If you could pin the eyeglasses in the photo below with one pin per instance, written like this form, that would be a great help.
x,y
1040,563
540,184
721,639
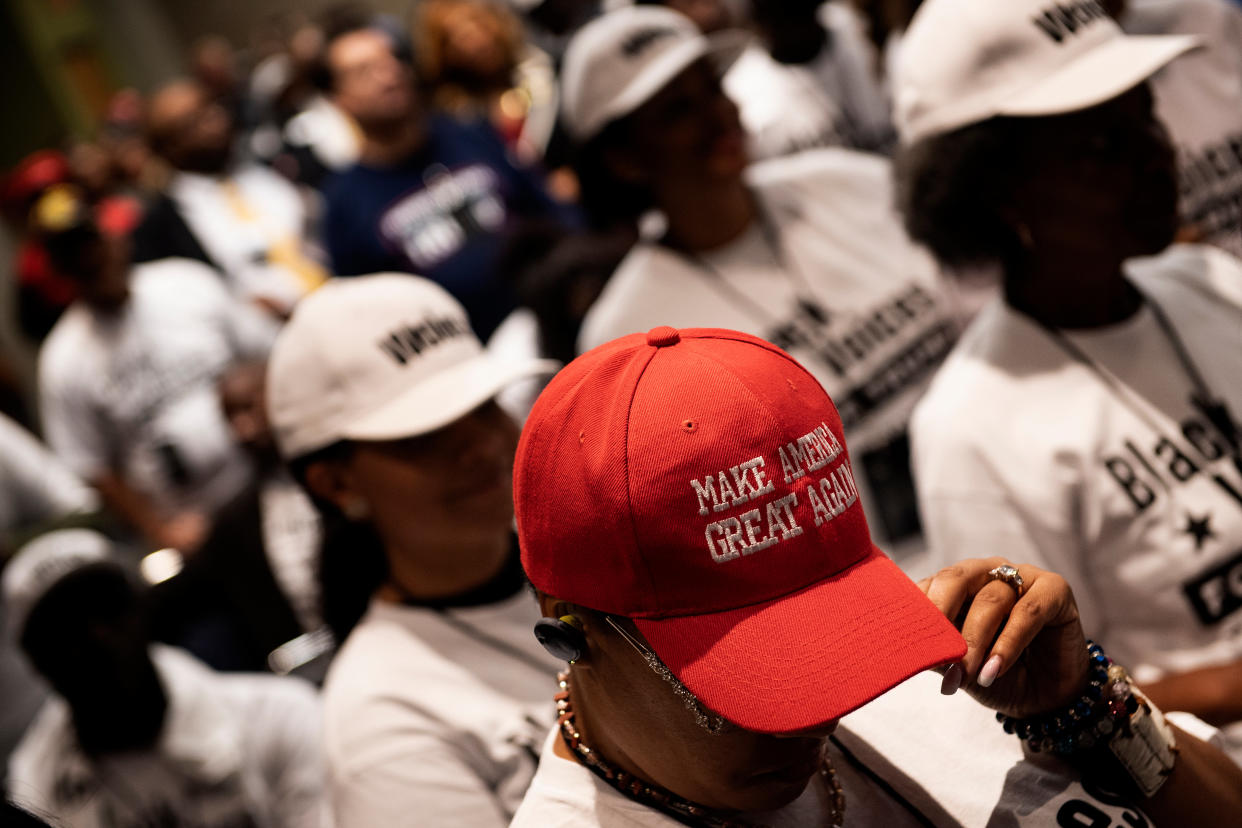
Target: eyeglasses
x,y
713,723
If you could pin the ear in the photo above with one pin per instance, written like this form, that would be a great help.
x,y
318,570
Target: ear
x,y
554,607
332,481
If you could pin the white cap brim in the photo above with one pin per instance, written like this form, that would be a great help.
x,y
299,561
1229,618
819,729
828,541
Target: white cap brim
x,y
439,400
1099,75
1093,77
723,48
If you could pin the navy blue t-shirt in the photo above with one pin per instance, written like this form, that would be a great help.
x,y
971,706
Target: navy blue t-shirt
x,y
445,213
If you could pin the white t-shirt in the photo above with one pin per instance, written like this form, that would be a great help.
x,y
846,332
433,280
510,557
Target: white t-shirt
x,y
945,757
235,750
252,223
435,718
35,486
135,392
1199,98
879,325
837,99
1022,450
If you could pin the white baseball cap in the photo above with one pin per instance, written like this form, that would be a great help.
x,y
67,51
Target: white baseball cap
x,y
620,60
43,563
964,61
379,357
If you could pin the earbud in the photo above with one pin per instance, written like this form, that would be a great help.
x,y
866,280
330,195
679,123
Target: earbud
x,y
562,637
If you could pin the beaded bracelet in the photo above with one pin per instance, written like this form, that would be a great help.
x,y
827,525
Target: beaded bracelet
x,y
1104,708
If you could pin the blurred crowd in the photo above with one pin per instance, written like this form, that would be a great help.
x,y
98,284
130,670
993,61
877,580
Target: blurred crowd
x,y
292,309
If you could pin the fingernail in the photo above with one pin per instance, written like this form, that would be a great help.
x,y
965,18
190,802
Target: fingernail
x,y
952,679
989,672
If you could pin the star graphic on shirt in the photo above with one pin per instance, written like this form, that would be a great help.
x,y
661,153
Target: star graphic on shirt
x,y
1200,529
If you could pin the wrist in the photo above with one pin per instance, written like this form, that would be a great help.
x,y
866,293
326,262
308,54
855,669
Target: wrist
x,y
1112,732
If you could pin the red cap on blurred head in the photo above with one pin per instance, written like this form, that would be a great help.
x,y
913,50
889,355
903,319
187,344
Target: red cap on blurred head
x,y
34,173
697,481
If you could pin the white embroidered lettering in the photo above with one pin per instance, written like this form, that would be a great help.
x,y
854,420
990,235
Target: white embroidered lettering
x,y
781,517
706,491
789,467
721,548
727,492
753,543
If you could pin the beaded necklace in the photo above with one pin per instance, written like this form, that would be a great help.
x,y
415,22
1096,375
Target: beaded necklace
x,y
679,808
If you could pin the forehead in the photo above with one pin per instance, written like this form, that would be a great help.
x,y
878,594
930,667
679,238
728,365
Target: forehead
x,y
173,104
358,47
697,81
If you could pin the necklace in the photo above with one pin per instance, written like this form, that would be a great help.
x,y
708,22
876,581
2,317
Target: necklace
x,y
679,808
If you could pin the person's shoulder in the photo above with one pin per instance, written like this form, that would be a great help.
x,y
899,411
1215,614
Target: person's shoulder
x,y
279,695
382,654
177,281
824,166
71,350
1201,268
564,794
157,274
349,184
630,296
45,749
477,134
65,340
976,372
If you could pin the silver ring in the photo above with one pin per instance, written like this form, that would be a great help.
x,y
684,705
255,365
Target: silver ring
x,y
1009,574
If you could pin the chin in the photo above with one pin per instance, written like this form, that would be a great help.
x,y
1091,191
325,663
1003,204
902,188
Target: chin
x,y
768,793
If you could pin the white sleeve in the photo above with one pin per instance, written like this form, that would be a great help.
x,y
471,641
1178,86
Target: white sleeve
x,y
248,329
42,488
970,511
412,776
73,429
288,719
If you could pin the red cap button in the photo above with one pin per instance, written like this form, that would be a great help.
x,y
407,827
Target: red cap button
x,y
663,336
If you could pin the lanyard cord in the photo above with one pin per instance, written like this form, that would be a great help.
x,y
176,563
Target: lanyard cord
x,y
473,632
785,265
1211,406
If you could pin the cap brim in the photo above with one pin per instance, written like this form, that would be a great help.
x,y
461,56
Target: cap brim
x,y
722,48
810,657
1099,75
436,401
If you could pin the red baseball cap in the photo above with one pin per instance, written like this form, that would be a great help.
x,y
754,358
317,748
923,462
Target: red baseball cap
x,y
697,482
33,174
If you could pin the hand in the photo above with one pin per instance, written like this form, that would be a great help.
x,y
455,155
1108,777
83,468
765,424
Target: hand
x,y
1024,655
184,532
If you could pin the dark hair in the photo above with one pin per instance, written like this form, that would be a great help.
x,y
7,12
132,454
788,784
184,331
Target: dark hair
x,y
352,561
952,188
70,250
337,21
558,273
97,591
606,199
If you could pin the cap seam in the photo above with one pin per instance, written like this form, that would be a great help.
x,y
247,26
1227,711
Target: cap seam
x,y
629,495
762,406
